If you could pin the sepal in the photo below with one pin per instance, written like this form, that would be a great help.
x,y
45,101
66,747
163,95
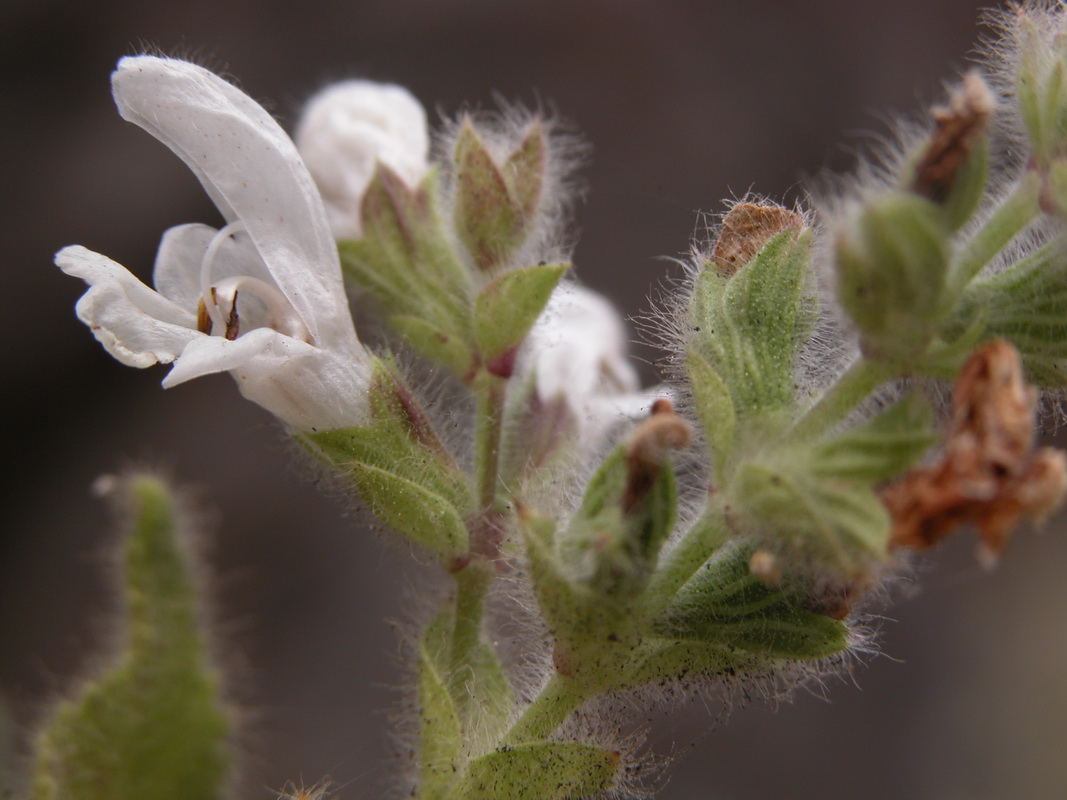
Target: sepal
x,y
401,469
406,262
891,265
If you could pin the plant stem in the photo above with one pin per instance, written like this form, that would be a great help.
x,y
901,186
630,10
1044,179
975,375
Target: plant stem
x,y
1014,214
852,388
472,582
490,391
557,700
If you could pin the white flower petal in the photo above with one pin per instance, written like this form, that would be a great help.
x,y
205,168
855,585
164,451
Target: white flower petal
x,y
578,348
346,129
176,274
251,169
210,354
135,324
285,376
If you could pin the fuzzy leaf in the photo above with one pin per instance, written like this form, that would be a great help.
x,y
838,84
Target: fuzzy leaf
x,y
508,306
715,409
1027,305
440,738
840,525
724,604
433,343
879,449
426,517
672,660
539,771
149,727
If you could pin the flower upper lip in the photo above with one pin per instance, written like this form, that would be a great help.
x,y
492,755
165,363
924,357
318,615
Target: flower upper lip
x,y
276,251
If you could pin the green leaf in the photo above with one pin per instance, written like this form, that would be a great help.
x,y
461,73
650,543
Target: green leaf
x,y
879,449
424,516
400,468
405,259
150,727
507,307
539,771
670,660
440,737
1027,305
433,343
714,408
750,326
725,605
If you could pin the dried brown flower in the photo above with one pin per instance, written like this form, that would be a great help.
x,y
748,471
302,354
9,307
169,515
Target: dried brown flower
x,y
988,473
959,126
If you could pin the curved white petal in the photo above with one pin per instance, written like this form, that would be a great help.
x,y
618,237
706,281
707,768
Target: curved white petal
x,y
135,324
251,169
578,349
176,274
303,385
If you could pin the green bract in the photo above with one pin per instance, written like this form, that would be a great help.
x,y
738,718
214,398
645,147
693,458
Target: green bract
x,y
495,206
747,329
401,470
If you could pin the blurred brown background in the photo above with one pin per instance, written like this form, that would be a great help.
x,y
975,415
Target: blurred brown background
x,y
685,102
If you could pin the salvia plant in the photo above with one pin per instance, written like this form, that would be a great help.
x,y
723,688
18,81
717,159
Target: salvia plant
x,y
848,380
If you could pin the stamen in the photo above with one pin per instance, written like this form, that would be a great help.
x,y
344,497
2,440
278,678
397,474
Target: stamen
x,y
281,316
206,293
217,309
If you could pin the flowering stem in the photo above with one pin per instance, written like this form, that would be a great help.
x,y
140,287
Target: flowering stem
x,y
851,389
1014,214
557,700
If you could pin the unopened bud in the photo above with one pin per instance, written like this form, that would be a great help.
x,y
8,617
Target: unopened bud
x,y
892,262
350,127
745,229
497,200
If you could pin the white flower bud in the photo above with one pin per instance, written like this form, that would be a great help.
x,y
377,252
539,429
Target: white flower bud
x,y
346,130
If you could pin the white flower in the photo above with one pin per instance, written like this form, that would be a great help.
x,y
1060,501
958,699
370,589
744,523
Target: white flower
x,y
346,130
263,297
577,352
